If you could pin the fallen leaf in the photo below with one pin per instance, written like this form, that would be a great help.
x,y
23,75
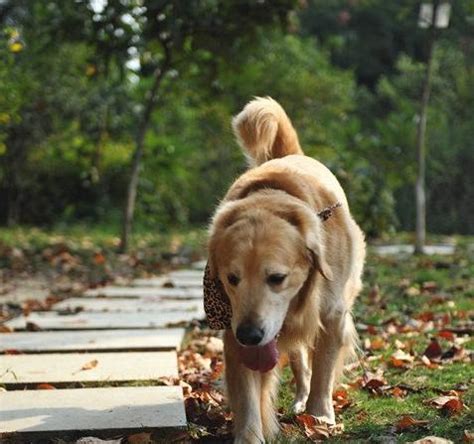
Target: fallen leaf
x,y
314,428
377,343
412,291
448,335
429,286
397,392
45,386
94,440
401,359
432,440
90,365
374,294
452,407
12,351
407,421
428,363
373,381
341,400
99,259
140,438
454,353
31,326
439,401
433,350
468,436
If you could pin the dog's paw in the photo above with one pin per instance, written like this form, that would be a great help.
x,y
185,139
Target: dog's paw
x,y
298,407
329,420
248,439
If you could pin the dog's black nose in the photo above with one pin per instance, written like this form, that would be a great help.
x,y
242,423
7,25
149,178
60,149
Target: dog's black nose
x,y
249,334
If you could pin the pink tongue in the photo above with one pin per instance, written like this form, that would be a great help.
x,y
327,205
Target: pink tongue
x,y
262,358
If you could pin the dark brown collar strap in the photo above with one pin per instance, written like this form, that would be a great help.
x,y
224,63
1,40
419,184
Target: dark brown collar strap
x,y
328,211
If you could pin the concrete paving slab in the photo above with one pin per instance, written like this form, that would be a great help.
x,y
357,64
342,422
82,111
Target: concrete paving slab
x,y
37,414
189,273
386,250
93,340
200,265
91,321
173,282
186,282
137,292
60,368
128,305
150,282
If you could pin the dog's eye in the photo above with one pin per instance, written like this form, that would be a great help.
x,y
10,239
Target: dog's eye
x,y
276,278
233,279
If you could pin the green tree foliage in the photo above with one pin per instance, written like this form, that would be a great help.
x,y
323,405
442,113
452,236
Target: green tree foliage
x,y
76,79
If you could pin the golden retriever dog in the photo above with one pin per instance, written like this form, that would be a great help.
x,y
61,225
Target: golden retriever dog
x,y
289,256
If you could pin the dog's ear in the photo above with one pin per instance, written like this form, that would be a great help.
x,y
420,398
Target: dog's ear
x,y
216,302
315,250
311,228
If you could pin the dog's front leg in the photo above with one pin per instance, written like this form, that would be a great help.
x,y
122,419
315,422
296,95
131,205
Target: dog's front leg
x,y
302,371
243,391
332,344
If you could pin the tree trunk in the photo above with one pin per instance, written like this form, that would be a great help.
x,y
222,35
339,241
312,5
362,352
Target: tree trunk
x,y
14,160
420,196
137,156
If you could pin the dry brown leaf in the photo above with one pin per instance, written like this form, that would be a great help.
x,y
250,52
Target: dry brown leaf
x,y
31,326
373,381
455,353
12,351
45,386
429,286
341,400
99,259
401,359
468,436
439,401
314,428
448,335
433,350
428,363
374,294
90,365
377,343
407,421
140,438
397,392
452,407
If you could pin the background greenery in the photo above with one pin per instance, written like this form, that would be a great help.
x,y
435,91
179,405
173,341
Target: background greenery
x,y
348,72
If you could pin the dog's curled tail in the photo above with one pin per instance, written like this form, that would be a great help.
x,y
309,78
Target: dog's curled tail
x,y
264,131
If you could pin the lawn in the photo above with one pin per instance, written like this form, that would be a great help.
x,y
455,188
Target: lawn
x,y
409,304
414,374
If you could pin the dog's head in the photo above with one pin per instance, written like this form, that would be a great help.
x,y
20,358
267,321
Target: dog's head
x,y
264,251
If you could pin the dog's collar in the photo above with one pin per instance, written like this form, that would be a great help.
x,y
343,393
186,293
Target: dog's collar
x,y
328,211
216,302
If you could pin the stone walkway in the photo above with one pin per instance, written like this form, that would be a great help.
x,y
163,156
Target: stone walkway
x,y
85,345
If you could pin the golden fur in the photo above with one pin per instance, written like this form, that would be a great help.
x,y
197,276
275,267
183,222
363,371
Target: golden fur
x,y
267,223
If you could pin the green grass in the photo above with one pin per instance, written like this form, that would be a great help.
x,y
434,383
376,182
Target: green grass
x,y
371,417
31,249
80,236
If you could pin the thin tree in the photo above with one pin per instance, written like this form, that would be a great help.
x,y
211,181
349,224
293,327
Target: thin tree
x,y
183,28
420,186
